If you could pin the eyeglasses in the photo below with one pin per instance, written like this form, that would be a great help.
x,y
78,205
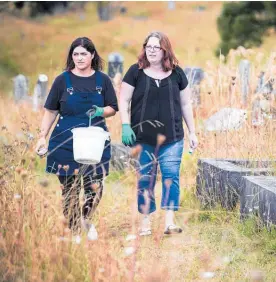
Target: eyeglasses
x,y
153,48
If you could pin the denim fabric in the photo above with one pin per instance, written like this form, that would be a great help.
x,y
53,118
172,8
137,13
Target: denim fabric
x,y
169,159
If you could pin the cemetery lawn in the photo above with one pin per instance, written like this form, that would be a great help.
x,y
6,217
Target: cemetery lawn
x,y
45,40
34,241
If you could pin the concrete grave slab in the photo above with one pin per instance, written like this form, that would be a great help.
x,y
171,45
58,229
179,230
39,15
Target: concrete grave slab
x,y
258,196
220,181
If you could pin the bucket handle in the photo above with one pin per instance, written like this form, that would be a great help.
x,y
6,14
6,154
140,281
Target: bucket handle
x,y
90,114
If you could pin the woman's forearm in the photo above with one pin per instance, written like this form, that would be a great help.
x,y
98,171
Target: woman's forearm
x,y
47,122
124,102
108,112
124,111
187,112
187,109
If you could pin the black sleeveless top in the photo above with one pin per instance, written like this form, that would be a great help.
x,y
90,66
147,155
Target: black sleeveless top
x,y
155,105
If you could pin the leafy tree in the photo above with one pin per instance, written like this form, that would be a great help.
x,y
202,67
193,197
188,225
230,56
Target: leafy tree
x,y
244,24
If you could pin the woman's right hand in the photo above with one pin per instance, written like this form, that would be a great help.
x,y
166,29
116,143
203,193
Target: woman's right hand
x,y
41,146
128,135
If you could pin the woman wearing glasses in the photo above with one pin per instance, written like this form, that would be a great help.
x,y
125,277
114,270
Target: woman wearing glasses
x,y
160,97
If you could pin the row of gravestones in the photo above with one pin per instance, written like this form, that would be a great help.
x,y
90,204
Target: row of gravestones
x,y
115,65
262,103
107,9
21,85
229,182
195,75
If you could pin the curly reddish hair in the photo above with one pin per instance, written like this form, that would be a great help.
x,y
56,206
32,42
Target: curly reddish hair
x,y
169,60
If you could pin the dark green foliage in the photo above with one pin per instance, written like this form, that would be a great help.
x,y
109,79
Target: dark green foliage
x,y
244,24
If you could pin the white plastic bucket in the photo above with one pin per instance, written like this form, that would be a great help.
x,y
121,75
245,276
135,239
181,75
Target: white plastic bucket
x,y
88,144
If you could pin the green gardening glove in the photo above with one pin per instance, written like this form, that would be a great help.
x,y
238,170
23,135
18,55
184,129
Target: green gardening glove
x,y
128,136
96,111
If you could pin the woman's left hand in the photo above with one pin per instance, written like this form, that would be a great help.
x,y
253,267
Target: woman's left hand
x,y
193,140
98,111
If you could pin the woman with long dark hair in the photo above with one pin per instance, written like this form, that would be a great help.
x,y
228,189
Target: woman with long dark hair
x,y
80,93
160,98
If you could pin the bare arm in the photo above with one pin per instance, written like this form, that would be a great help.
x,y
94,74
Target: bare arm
x,y
124,102
186,108
47,122
108,112
187,113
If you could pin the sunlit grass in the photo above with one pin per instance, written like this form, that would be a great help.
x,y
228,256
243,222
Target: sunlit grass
x,y
34,239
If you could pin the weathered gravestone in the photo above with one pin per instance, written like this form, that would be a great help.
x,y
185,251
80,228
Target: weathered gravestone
x,y
115,64
40,92
104,10
258,197
195,75
121,158
226,119
244,69
221,181
257,117
262,100
260,83
200,8
20,88
171,5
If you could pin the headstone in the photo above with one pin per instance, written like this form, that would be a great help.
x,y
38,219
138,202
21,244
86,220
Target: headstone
x,y
121,157
195,75
258,197
20,88
221,180
257,117
267,90
123,10
244,69
104,11
226,119
171,5
40,92
200,8
115,64
262,100
260,82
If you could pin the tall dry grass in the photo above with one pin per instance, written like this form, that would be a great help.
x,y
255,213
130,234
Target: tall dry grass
x,y
35,242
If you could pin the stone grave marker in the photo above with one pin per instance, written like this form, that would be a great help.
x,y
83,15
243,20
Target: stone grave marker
x,y
258,197
40,92
221,180
194,75
115,64
121,157
20,88
226,119
244,70
171,5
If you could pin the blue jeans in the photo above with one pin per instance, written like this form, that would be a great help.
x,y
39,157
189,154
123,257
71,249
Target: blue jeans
x,y
169,158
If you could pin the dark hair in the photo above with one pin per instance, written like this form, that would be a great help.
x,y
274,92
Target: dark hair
x,y
97,62
169,60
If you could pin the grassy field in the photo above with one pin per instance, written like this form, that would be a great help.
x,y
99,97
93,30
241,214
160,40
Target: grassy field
x,y
45,41
214,246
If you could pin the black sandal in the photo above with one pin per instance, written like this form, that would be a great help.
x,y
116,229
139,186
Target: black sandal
x,y
172,229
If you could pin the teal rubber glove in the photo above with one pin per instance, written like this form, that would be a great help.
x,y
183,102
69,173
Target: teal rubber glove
x,y
96,111
128,136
